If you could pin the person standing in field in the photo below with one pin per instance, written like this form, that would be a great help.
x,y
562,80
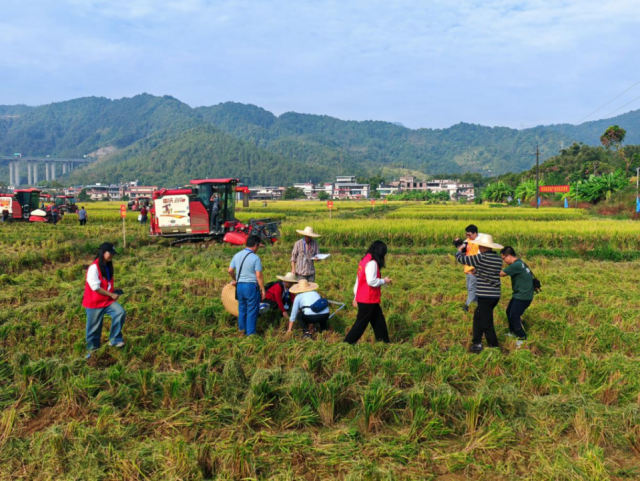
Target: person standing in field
x,y
215,213
245,271
367,291
143,215
54,214
82,216
523,291
471,233
487,265
100,299
304,254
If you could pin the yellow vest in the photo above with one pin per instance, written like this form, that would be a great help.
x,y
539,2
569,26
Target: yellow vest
x,y
472,250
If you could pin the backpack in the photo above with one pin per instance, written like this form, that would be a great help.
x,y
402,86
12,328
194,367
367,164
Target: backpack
x,y
537,285
318,306
269,285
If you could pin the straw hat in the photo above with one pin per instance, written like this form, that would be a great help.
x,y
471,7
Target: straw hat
x,y
485,240
229,301
303,286
288,277
308,231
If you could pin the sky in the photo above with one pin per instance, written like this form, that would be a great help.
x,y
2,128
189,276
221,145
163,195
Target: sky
x,y
421,63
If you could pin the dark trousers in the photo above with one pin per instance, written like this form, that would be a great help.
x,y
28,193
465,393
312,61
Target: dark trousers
x,y
483,321
83,221
321,319
213,224
515,309
54,219
368,314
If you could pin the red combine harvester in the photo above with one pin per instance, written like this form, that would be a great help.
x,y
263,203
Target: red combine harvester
x,y
139,203
189,214
66,203
23,205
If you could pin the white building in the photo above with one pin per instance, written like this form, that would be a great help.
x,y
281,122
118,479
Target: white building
x,y
346,187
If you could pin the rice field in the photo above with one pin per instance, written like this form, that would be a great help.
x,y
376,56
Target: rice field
x,y
188,398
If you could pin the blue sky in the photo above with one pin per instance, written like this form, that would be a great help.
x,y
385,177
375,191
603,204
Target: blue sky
x,y
422,63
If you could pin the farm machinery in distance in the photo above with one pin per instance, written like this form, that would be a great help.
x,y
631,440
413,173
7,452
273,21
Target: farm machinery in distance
x,y
205,212
23,205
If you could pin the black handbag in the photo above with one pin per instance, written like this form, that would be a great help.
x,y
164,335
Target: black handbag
x,y
537,285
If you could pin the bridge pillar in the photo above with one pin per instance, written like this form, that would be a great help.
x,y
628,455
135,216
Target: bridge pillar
x,y
29,174
47,175
11,173
53,171
64,168
16,173
35,173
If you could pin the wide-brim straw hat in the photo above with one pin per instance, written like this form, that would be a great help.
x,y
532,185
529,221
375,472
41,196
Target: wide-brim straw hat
x,y
229,300
303,286
308,231
485,240
288,277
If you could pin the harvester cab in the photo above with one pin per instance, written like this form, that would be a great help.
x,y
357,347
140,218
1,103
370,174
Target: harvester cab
x,y
66,203
138,203
205,212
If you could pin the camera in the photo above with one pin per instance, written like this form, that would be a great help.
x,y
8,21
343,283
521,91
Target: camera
x,y
457,243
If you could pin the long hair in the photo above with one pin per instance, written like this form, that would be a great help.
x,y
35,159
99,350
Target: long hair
x,y
378,251
106,268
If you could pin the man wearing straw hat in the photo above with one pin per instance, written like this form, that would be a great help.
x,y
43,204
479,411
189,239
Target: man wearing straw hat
x,y
487,264
279,294
304,254
302,311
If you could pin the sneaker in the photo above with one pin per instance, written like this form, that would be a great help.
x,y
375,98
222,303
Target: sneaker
x,y
475,348
465,308
119,345
519,343
88,356
511,334
307,335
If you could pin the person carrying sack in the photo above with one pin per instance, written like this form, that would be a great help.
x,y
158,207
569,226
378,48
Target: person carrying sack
x,y
487,264
367,291
303,255
308,308
245,271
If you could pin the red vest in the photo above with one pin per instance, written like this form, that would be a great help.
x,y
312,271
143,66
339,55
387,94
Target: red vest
x,y
93,300
365,293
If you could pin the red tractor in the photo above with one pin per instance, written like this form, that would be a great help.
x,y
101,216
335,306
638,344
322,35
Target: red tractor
x,y
205,212
139,203
66,203
23,205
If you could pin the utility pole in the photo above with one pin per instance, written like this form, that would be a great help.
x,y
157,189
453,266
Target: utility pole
x,y
537,177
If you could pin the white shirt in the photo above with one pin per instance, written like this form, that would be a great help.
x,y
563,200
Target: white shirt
x,y
371,271
93,278
305,300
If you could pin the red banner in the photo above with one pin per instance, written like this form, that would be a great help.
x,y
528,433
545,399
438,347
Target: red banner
x,y
330,204
123,211
553,188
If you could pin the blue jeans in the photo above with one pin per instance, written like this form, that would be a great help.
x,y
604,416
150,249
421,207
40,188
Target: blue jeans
x,y
94,325
248,306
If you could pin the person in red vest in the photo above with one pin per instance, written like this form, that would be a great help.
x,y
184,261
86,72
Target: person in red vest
x,y
367,295
100,298
277,293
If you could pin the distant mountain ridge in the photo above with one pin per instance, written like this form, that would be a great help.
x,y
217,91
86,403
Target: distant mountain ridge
x,y
163,140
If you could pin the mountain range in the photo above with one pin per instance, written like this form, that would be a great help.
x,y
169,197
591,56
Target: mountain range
x,y
162,141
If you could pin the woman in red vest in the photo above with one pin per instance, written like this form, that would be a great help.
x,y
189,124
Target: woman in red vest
x,y
367,295
100,299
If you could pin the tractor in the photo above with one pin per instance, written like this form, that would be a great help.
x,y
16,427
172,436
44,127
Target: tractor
x,y
138,203
189,215
23,205
66,204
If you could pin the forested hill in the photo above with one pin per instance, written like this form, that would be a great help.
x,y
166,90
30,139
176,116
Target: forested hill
x,y
248,141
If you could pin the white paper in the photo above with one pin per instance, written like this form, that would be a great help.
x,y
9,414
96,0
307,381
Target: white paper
x,y
321,257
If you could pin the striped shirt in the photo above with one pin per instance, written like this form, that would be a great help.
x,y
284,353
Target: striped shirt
x,y
303,255
487,269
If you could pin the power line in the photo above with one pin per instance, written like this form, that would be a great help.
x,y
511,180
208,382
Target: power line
x,y
622,107
600,108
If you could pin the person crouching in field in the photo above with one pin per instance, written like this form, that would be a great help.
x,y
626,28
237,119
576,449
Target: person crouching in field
x,y
488,265
278,294
308,308
367,292
523,290
100,299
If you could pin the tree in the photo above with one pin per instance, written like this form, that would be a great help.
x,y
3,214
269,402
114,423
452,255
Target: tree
x,y
496,192
83,196
291,193
526,190
323,195
613,138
